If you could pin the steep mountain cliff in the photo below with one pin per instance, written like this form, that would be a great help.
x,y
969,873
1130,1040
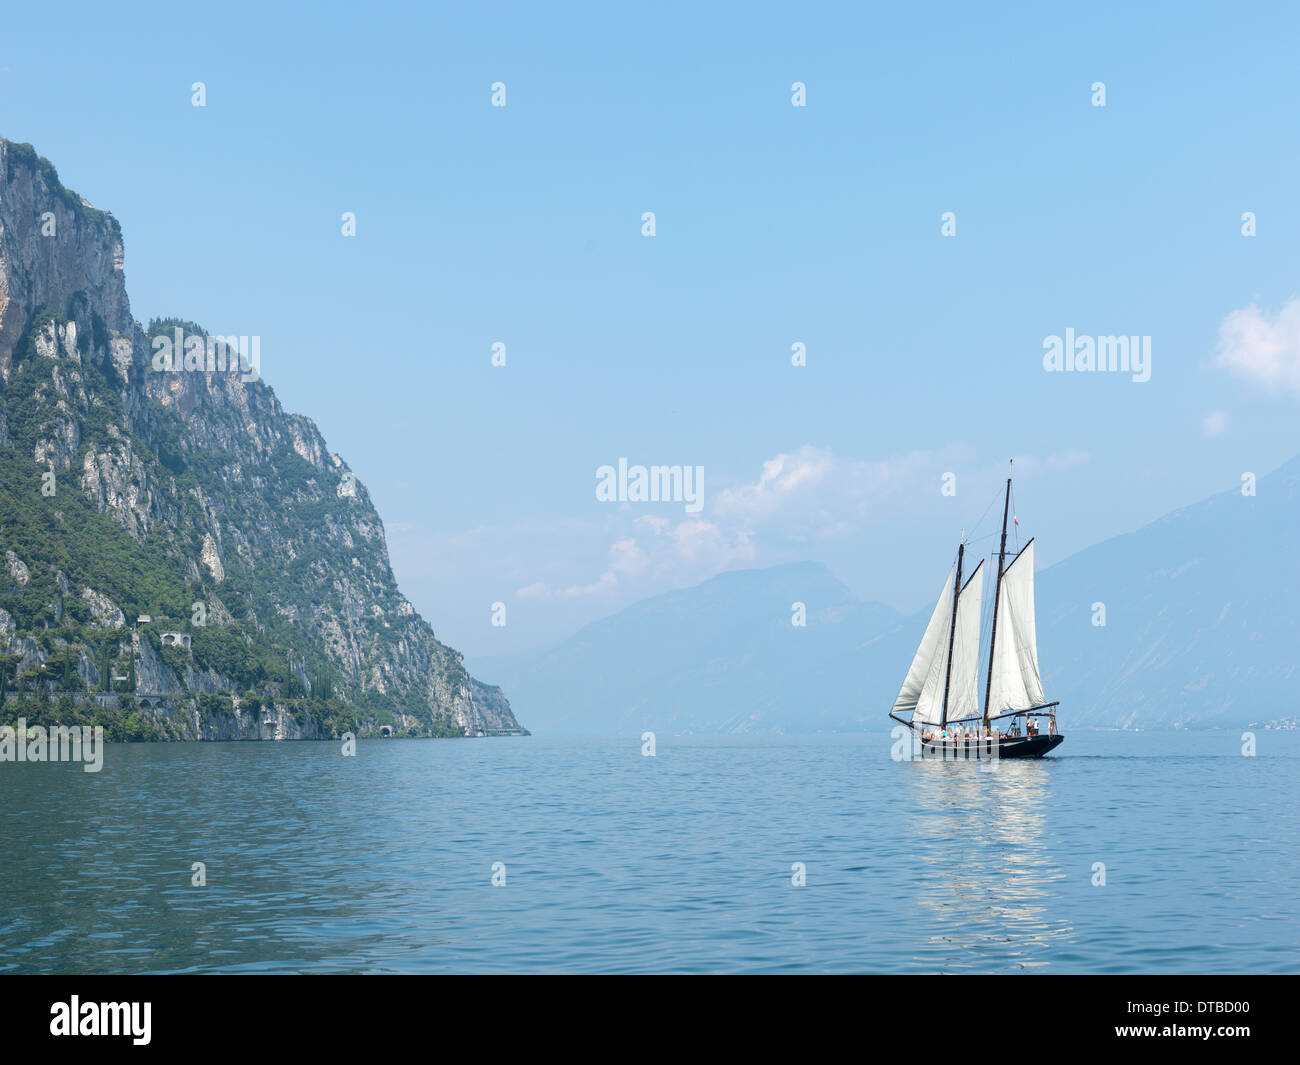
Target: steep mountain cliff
x,y
185,559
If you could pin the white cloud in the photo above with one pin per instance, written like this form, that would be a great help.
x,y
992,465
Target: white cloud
x,y
655,524
1261,347
626,557
1215,423
781,478
813,494
604,583
696,541
541,590
801,504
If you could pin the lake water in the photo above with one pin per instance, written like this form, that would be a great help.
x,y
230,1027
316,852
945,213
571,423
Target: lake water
x,y
679,862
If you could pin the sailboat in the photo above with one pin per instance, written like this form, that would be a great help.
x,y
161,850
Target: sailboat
x,y
939,697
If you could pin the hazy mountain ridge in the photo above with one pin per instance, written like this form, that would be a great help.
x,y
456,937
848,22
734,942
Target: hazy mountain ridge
x,y
722,656
131,491
1201,626
1201,630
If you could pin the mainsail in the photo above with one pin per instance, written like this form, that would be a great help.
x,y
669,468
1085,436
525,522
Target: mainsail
x,y
1014,682
922,693
963,694
917,696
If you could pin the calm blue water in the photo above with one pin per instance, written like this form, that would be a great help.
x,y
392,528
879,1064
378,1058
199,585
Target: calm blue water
x,y
616,862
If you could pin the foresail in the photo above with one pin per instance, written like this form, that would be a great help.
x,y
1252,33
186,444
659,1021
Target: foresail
x,y
1020,598
913,697
963,695
1015,682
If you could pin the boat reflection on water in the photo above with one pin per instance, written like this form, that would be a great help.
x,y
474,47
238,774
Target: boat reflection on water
x,y
988,891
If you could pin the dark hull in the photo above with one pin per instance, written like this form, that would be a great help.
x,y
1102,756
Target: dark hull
x,y
971,748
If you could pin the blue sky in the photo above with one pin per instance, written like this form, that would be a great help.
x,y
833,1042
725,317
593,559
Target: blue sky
x,y
775,225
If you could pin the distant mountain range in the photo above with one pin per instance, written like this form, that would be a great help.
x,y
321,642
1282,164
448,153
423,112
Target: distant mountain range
x,y
1201,630
721,657
1202,621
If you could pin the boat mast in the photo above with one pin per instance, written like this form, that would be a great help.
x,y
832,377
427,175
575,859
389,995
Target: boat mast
x,y
952,633
997,594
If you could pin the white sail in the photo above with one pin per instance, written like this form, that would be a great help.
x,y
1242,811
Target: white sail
x,y
963,688
929,707
1015,683
917,695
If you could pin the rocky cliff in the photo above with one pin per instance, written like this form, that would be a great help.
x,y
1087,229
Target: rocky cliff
x,y
171,533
